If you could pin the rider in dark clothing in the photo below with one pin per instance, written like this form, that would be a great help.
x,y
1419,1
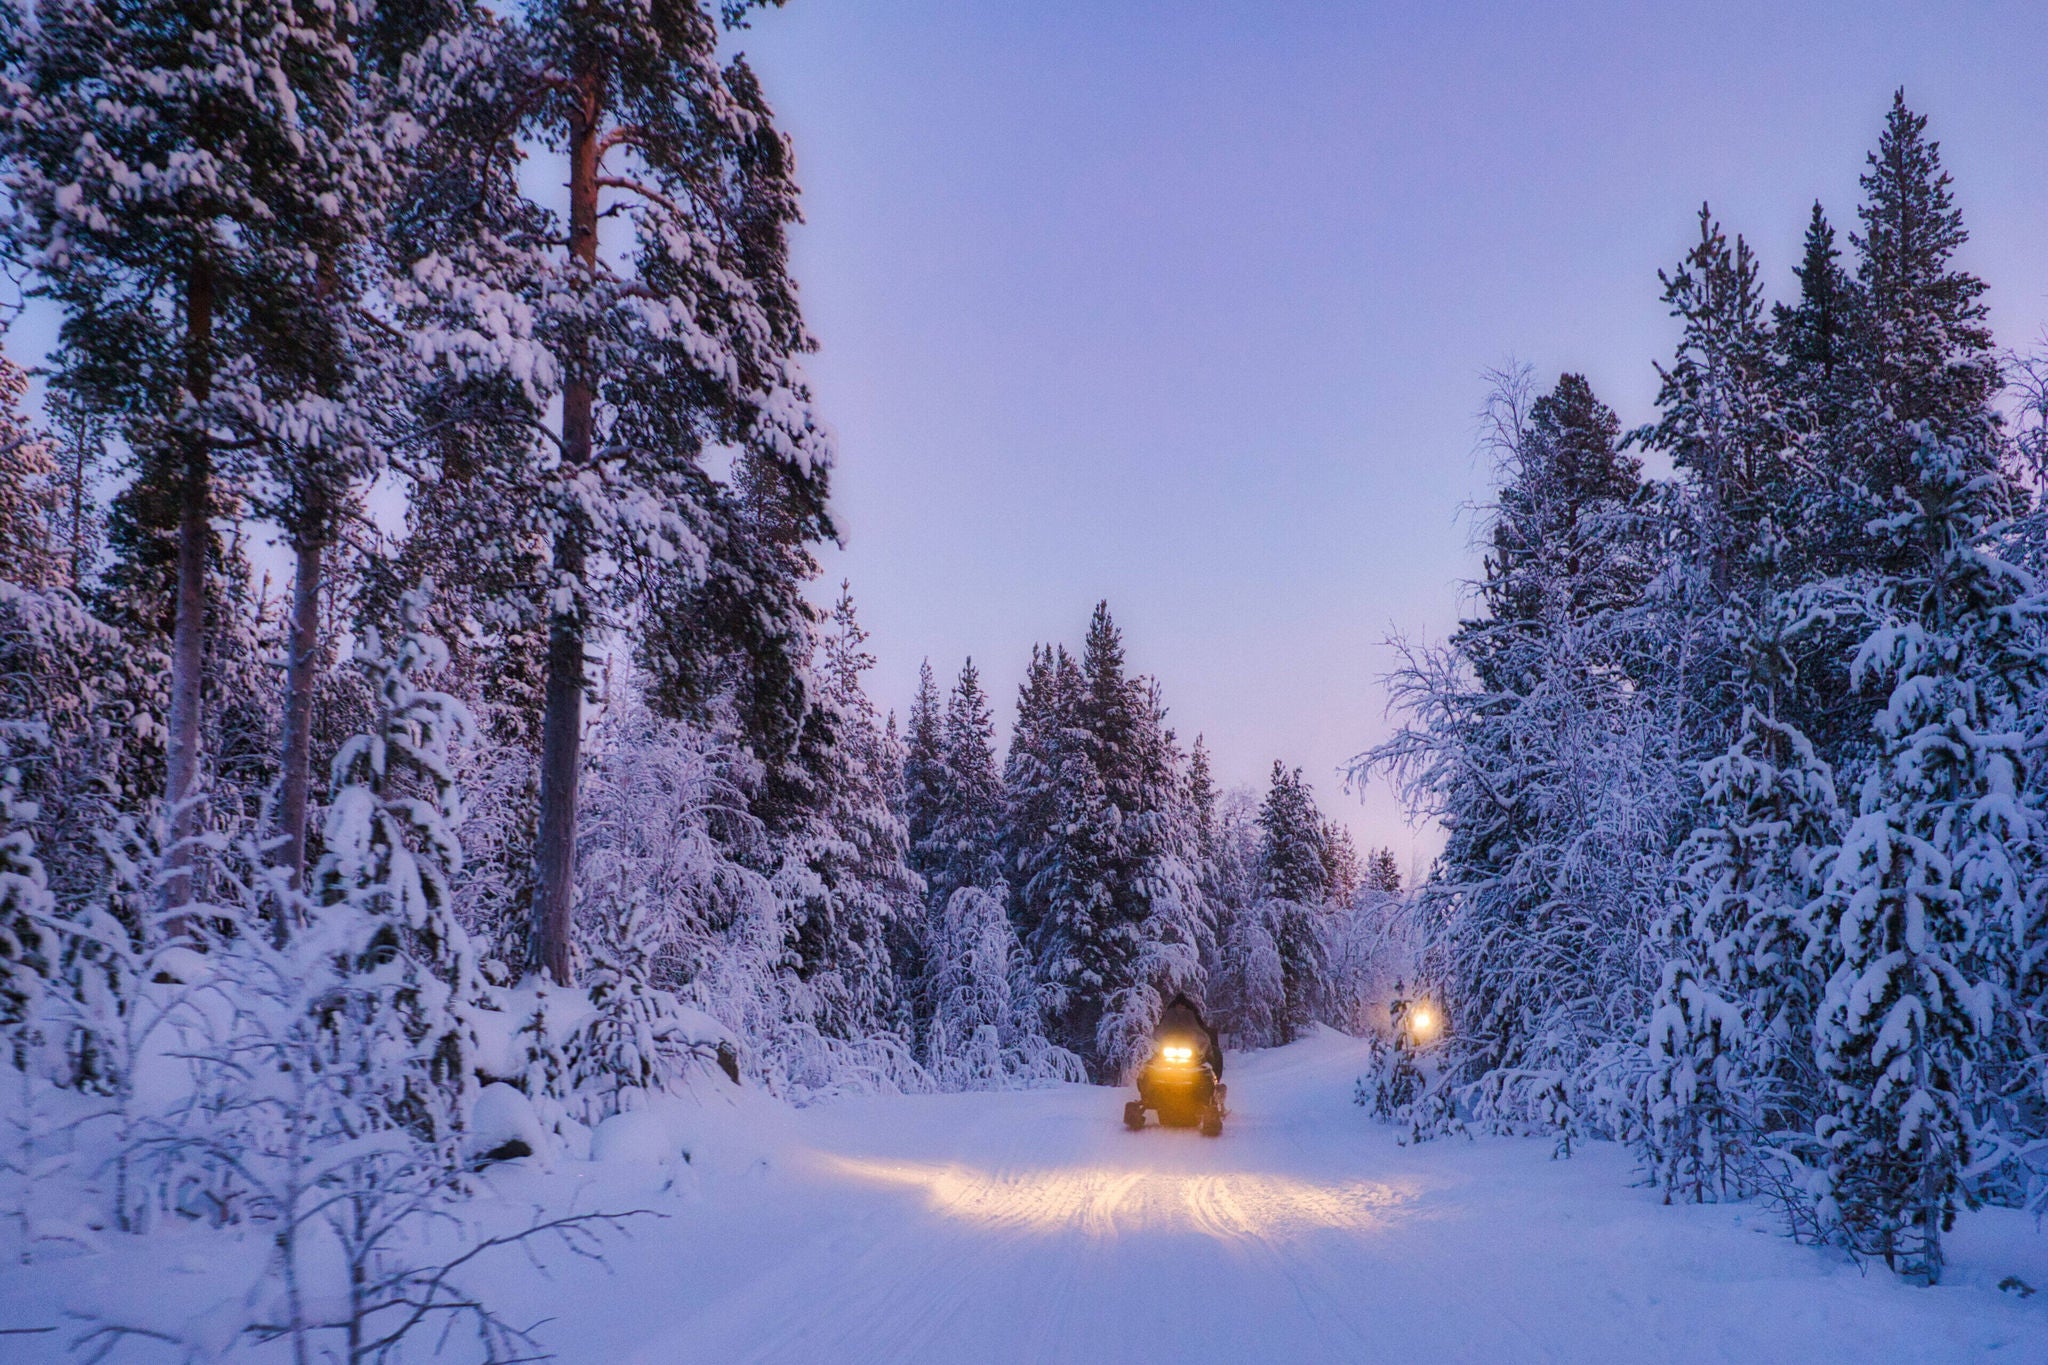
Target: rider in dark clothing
x,y
1180,1019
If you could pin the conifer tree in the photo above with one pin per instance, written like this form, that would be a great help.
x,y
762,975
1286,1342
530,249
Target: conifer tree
x,y
1719,419
967,821
627,359
1939,870
137,130
1033,773
28,957
31,550
384,884
842,861
1295,885
1924,366
1383,872
1536,737
924,777
1731,1027
1202,800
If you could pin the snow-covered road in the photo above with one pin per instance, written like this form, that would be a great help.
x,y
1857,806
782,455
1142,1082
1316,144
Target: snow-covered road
x,y
1032,1227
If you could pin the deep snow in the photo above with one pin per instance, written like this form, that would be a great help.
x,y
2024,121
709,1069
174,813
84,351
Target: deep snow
x,y
1030,1226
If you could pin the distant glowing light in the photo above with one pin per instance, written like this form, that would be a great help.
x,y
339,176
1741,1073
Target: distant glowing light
x,y
1422,1023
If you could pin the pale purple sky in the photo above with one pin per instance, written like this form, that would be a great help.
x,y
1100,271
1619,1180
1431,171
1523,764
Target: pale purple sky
x,y
1185,305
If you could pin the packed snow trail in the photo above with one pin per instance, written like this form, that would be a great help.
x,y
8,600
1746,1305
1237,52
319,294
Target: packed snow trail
x,y
1031,1226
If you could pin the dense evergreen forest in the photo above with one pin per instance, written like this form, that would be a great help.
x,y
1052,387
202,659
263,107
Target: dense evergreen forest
x,y
1740,768
421,734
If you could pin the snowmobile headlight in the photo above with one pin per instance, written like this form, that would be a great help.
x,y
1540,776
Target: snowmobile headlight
x,y
1177,1054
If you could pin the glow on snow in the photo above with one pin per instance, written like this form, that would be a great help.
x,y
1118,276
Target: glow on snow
x,y
1113,1201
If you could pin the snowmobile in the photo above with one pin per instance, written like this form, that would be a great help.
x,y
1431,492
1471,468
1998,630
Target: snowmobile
x,y
1179,1084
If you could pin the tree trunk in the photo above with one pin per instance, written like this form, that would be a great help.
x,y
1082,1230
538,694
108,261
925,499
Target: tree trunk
x,y
188,634
562,721
295,788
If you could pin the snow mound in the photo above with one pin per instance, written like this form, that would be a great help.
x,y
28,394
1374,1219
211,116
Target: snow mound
x,y
638,1138
502,1122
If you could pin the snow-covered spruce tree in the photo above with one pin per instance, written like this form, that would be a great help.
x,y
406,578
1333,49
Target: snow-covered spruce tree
x,y
1341,868
383,889
32,551
1247,996
1370,948
28,951
96,702
954,792
1174,927
1732,1026
1250,980
1718,411
967,819
1034,772
627,355
1924,350
1103,848
1294,885
1818,370
635,1043
135,133
924,777
1939,873
985,1031
842,851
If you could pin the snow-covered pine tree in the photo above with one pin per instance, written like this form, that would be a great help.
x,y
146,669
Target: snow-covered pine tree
x,y
841,860
1202,799
1246,993
1732,1024
1939,874
1161,853
1383,872
28,954
1250,978
382,891
1925,350
1817,371
32,551
967,819
1719,417
985,1029
924,778
1341,868
1107,876
79,438
1294,886
634,1043
336,387
1033,772
134,131
681,332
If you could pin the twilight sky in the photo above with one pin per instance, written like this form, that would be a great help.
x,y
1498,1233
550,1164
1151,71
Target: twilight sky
x,y
1185,304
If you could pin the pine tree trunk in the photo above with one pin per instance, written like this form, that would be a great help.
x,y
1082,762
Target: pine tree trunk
x,y
300,669
188,636
562,719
